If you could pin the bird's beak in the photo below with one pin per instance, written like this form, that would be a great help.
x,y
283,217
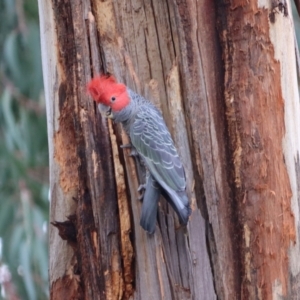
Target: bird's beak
x,y
106,111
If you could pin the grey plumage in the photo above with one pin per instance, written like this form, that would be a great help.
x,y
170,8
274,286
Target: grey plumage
x,y
150,204
151,138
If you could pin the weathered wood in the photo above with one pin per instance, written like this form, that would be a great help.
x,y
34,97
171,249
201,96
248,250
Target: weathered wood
x,y
260,91
200,61
77,171
232,110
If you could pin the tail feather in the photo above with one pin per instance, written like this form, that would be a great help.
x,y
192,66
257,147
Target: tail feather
x,y
150,205
180,203
178,200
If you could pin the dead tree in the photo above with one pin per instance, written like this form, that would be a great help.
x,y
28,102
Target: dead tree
x,y
224,75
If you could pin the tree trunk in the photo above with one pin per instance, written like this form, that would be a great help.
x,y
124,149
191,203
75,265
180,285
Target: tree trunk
x,y
223,74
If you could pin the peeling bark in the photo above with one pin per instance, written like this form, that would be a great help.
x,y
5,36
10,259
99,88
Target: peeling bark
x,y
256,124
227,92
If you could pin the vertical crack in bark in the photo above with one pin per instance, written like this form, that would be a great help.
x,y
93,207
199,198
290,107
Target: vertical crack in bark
x,y
87,25
170,25
147,54
102,60
90,250
212,251
158,43
124,217
233,175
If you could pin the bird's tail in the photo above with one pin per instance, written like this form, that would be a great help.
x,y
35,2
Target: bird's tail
x,y
150,205
180,203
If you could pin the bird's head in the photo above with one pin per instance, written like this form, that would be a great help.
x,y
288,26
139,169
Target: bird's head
x,y
110,96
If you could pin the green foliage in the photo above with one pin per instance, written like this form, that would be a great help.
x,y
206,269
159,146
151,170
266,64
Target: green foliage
x,y
23,152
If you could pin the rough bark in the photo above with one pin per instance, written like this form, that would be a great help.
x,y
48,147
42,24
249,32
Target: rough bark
x,y
225,80
260,91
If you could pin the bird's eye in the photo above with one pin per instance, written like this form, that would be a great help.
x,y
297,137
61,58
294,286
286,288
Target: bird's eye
x,y
113,98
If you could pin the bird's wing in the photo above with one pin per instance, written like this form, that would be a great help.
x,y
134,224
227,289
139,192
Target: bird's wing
x,y
151,138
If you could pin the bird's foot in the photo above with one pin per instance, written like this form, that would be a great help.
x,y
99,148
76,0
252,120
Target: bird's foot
x,y
133,152
126,146
141,189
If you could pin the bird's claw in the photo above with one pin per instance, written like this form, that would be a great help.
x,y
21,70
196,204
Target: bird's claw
x,y
126,146
133,152
141,189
